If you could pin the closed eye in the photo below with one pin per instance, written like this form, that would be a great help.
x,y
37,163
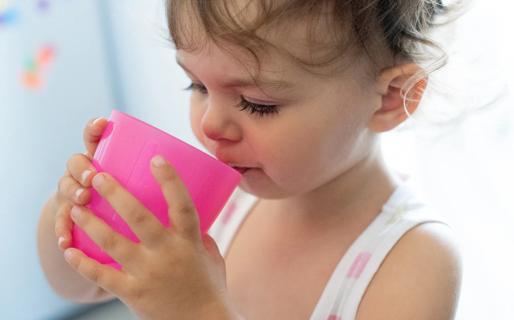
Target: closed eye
x,y
245,105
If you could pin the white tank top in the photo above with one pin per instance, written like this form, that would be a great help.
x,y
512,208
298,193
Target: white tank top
x,y
344,290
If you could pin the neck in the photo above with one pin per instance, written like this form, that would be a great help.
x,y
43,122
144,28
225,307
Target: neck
x,y
354,197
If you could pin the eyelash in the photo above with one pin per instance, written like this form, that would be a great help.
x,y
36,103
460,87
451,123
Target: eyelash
x,y
261,109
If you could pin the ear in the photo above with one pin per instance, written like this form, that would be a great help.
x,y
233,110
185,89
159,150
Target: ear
x,y
390,81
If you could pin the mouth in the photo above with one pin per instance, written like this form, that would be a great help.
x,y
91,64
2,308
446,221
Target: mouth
x,y
241,170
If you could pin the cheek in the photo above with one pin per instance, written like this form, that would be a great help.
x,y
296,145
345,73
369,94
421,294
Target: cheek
x,y
294,165
195,118
306,153
288,151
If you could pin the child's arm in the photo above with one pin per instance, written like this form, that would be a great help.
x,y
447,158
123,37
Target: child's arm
x,y
55,222
64,280
419,279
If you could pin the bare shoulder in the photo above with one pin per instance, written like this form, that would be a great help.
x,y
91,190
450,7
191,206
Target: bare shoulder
x,y
419,279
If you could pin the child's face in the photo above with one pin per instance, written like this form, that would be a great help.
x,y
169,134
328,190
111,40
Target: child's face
x,y
319,132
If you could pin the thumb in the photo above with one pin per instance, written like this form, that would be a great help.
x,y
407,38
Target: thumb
x,y
220,270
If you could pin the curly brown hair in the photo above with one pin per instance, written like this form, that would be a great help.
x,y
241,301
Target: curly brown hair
x,y
385,30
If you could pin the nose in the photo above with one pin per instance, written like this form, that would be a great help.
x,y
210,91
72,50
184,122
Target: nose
x,y
217,123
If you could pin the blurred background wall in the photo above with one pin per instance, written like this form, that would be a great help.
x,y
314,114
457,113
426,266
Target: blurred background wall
x,y
63,62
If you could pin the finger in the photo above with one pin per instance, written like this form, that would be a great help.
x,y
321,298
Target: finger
x,y
81,169
106,277
212,247
117,246
145,225
181,209
215,255
59,194
63,225
92,134
72,191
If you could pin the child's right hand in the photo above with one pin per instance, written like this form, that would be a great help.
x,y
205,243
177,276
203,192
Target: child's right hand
x,y
74,187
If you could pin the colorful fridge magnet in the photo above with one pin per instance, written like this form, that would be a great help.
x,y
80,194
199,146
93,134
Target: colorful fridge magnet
x,y
35,71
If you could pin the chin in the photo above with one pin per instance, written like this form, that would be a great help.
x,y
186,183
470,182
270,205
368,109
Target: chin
x,y
263,188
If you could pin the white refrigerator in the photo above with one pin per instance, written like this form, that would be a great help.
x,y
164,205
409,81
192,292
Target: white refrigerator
x,y
63,62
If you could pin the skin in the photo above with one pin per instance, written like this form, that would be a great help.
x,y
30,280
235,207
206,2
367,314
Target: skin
x,y
317,166
319,157
196,286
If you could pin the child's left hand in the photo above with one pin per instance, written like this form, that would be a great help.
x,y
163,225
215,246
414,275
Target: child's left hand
x,y
172,273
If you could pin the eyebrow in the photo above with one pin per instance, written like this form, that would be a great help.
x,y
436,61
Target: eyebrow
x,y
244,83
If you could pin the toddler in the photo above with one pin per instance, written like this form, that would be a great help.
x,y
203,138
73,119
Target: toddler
x,y
293,94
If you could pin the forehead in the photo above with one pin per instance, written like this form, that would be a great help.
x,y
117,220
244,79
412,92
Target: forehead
x,y
232,66
301,37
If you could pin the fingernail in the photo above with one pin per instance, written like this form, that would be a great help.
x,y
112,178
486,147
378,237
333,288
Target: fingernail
x,y
86,175
78,193
95,121
61,241
158,161
75,213
98,180
68,254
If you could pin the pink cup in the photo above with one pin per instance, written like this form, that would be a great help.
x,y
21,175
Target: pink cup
x,y
125,150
